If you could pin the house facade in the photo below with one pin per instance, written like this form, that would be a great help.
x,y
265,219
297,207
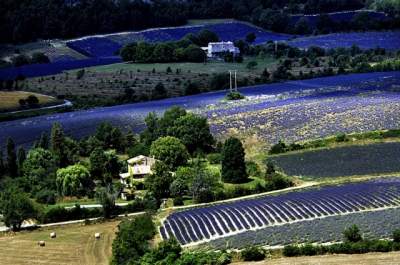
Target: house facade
x,y
138,168
215,48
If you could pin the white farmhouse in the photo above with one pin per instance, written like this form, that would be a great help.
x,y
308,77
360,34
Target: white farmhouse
x,y
138,168
215,48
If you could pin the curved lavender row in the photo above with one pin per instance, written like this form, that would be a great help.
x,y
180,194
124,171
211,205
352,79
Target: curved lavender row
x,y
131,116
202,224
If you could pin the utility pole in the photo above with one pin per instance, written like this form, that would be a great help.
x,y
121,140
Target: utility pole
x,y
235,81
231,88
230,81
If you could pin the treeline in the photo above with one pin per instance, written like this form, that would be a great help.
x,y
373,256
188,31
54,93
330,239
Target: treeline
x,y
132,246
354,243
187,49
28,20
282,147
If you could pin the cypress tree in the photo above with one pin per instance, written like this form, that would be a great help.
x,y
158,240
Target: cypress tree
x,y
21,158
57,144
11,158
2,167
233,165
44,141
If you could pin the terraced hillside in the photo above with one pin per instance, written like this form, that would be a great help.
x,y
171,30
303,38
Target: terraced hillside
x,y
231,219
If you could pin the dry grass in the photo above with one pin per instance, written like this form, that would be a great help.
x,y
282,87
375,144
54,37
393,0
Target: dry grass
x,y
9,99
75,244
391,258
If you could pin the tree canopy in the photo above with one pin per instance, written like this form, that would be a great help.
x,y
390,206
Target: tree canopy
x,y
169,150
74,181
233,165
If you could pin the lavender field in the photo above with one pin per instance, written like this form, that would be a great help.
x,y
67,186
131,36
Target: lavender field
x,y
328,229
389,40
234,218
378,158
295,110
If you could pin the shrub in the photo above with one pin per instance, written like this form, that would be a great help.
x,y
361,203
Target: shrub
x,y
341,137
60,214
278,148
80,74
291,251
251,65
178,201
214,158
396,236
46,197
234,95
252,169
352,234
253,253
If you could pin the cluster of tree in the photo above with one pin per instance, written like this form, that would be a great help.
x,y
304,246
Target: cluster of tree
x,y
23,21
353,244
132,246
28,20
53,168
30,102
178,146
187,49
35,58
344,60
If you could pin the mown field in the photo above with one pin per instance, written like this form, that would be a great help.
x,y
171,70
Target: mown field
x,y
377,158
75,244
9,100
391,258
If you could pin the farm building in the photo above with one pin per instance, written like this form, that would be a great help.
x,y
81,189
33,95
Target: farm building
x,y
138,168
215,48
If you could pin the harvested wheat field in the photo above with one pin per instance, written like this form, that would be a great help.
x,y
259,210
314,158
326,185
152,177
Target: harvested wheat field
x,y
74,244
391,258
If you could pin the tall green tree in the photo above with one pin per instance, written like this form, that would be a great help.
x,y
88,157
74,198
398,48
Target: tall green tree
x,y
170,150
74,181
159,182
57,144
2,166
44,141
11,159
194,132
107,196
168,119
39,170
151,133
97,161
233,165
204,184
16,208
132,240
21,160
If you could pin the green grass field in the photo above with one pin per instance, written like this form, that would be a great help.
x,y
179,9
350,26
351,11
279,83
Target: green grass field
x,y
75,244
208,68
192,22
10,99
